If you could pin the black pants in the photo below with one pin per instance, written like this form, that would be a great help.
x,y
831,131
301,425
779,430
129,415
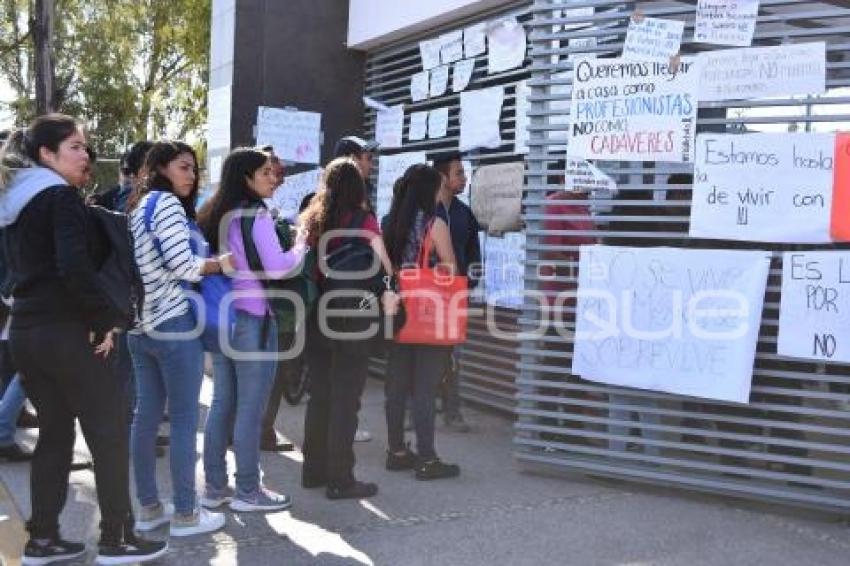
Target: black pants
x,y
414,370
64,380
337,373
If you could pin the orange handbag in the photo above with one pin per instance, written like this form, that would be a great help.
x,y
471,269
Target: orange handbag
x,y
435,302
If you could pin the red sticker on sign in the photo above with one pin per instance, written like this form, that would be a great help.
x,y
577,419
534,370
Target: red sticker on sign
x,y
840,221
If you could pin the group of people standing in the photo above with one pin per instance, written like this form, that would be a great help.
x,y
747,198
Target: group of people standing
x,y
54,251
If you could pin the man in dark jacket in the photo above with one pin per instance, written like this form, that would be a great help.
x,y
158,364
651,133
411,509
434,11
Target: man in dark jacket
x,y
131,162
363,154
464,231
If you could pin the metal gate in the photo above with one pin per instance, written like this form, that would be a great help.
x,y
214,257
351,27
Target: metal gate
x,y
488,364
790,443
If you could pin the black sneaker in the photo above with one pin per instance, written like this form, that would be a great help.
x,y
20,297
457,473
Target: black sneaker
x,y
436,470
357,490
14,453
404,461
132,550
51,551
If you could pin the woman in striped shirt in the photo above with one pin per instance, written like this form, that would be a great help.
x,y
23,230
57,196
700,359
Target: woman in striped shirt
x,y
166,350
243,380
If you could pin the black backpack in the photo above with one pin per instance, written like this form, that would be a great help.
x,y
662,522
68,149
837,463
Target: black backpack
x,y
361,293
117,274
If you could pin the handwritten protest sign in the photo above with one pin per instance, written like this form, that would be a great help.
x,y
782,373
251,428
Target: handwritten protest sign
x,y
295,135
462,74
288,196
841,189
814,314
763,187
419,86
653,39
475,40
508,44
438,122
418,126
390,168
439,80
633,110
497,196
726,22
504,270
582,176
451,46
389,126
758,72
677,320
430,51
480,111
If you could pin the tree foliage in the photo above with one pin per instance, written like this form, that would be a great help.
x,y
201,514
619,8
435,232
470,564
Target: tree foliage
x,y
131,69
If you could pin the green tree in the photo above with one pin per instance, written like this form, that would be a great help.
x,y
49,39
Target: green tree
x,y
131,69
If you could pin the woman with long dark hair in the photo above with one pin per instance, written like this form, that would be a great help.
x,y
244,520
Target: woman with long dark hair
x,y
243,382
61,339
415,370
166,349
337,367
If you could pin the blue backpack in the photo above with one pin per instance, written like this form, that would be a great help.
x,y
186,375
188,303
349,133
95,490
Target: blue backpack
x,y
215,320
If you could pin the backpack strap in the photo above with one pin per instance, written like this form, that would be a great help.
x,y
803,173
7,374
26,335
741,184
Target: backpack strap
x,y
150,208
246,228
426,247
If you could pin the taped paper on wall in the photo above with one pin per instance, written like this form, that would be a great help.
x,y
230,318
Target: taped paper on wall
x,y
389,127
419,85
451,49
726,22
439,80
480,111
294,134
508,44
390,168
462,74
418,126
430,51
497,196
653,39
438,123
475,40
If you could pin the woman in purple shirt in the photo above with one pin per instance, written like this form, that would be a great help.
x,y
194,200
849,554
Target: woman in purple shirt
x,y
243,380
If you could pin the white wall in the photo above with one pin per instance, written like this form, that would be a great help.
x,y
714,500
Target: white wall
x,y
375,22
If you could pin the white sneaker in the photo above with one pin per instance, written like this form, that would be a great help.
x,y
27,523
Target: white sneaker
x,y
151,517
201,521
362,435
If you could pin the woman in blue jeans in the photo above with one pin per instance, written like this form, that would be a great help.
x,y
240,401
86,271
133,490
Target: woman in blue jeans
x,y
166,350
244,374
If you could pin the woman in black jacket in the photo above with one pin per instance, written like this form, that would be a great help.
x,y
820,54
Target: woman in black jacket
x,y
60,306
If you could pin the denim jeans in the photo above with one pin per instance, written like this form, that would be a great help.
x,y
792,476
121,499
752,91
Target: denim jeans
x,y
167,368
10,407
414,369
240,393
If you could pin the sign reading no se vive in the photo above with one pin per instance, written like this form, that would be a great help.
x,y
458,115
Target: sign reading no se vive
x,y
676,320
764,187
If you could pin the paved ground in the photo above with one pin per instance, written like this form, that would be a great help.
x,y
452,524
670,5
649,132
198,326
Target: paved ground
x,y
494,514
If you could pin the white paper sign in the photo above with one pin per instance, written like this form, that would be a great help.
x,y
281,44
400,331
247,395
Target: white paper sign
x,y
218,126
578,45
430,51
418,126
288,196
475,40
462,74
683,321
438,123
439,80
508,44
523,91
814,315
653,39
451,47
633,110
389,127
480,111
726,22
504,270
758,72
763,187
582,176
390,168
419,86
294,134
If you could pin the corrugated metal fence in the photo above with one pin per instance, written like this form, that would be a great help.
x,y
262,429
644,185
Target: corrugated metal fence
x,y
790,443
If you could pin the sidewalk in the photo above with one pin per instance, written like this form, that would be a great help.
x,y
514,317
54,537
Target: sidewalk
x,y
493,514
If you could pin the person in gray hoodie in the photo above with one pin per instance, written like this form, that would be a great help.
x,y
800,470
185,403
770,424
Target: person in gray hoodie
x,y
58,304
